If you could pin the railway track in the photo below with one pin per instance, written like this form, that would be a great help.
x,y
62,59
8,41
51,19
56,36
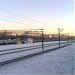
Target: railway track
x,y
6,52
15,50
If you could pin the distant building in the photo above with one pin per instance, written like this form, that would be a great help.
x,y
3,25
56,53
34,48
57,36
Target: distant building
x,y
29,41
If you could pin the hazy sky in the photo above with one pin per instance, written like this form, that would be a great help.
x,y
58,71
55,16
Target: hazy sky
x,y
47,14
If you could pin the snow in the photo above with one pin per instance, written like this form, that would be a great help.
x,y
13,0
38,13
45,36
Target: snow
x,y
58,62
5,47
23,53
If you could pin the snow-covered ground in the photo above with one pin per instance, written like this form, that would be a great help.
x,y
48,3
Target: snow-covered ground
x,y
59,62
5,47
10,56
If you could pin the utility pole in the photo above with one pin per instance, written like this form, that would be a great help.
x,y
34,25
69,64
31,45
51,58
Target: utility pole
x,y
42,36
42,39
59,36
59,30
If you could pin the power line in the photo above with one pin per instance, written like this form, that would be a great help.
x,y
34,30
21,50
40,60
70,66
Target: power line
x,y
4,10
15,18
15,22
20,16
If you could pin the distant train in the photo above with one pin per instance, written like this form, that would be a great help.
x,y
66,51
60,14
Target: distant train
x,y
9,41
16,41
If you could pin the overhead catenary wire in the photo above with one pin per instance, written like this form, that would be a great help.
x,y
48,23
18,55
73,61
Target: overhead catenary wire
x,y
38,24
16,22
18,19
19,15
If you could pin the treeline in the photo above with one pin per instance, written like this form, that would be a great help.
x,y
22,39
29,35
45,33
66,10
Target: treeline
x,y
4,36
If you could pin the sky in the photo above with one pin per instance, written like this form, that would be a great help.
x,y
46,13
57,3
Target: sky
x,y
37,14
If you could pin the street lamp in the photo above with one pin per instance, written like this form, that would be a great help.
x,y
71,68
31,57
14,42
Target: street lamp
x,y
59,30
42,33
42,39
